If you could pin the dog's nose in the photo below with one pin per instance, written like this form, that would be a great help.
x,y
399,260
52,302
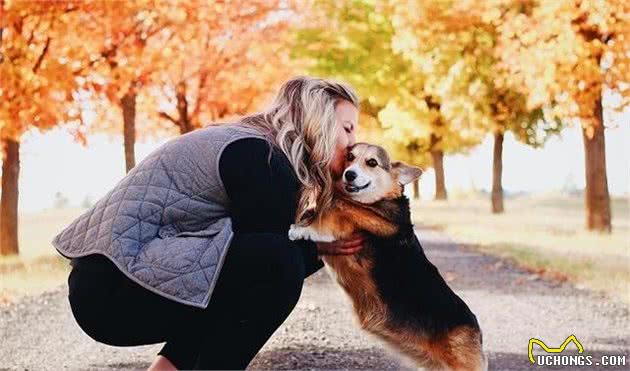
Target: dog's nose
x,y
350,175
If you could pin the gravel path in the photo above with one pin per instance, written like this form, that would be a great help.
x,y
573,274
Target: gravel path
x,y
512,306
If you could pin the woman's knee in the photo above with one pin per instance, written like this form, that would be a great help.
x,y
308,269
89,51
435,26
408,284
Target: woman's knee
x,y
107,313
89,320
83,297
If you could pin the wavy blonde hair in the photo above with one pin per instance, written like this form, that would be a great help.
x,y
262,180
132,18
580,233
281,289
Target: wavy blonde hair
x,y
301,122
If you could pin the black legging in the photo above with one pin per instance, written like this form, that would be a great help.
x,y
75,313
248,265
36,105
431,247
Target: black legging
x,y
258,286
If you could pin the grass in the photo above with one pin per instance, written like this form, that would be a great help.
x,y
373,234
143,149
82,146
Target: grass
x,y
544,234
38,267
22,277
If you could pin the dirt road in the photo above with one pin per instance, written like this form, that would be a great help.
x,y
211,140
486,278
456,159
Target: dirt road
x,y
39,333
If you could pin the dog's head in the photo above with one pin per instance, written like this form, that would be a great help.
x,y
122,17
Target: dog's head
x,y
370,176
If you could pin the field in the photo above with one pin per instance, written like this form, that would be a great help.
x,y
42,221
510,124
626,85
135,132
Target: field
x,y
39,267
542,233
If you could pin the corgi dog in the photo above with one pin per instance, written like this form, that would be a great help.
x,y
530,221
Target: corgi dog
x,y
396,293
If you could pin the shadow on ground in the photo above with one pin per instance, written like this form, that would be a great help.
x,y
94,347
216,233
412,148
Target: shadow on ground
x,y
127,366
303,358
324,358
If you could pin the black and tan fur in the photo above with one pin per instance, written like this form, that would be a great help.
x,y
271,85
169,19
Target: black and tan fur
x,y
396,292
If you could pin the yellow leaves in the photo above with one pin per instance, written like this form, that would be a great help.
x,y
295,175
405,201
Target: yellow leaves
x,y
555,53
492,15
477,88
401,126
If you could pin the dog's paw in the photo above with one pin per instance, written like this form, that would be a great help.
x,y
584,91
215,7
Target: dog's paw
x,y
296,232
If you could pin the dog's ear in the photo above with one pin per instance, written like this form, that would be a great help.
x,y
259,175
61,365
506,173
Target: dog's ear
x,y
405,173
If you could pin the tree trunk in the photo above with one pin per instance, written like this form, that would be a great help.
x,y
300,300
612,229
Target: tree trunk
x,y
128,104
596,196
185,125
497,173
416,189
438,166
9,199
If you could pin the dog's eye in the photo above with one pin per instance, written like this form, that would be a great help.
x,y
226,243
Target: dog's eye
x,y
371,162
349,156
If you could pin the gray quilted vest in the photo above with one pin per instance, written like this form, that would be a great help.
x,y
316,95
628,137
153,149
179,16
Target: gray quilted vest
x,y
165,224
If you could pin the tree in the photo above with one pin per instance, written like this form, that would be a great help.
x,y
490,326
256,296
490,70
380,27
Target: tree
x,y
218,62
119,61
372,130
576,49
455,45
423,131
355,41
451,45
509,112
38,88
181,63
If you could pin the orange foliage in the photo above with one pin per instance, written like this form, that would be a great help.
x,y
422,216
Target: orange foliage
x,y
566,52
224,60
37,80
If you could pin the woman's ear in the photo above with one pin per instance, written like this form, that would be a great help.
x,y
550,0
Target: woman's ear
x,y
405,174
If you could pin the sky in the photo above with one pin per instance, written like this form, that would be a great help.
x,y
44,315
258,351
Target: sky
x,y
53,162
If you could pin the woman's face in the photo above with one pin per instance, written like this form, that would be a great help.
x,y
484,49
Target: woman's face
x,y
347,116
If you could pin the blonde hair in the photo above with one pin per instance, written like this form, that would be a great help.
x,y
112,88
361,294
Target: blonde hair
x,y
301,122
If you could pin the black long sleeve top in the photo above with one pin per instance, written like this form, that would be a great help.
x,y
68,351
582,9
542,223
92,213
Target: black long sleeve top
x,y
263,196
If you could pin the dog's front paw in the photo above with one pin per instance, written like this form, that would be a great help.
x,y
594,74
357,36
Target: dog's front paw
x,y
296,232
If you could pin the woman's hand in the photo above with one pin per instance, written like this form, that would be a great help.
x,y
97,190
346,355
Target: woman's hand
x,y
341,247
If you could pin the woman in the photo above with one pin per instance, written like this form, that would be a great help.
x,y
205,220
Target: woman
x,y
151,261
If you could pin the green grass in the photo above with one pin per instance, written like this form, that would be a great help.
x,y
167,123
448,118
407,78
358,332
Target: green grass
x,y
543,233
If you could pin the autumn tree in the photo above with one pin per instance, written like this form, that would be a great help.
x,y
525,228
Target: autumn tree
x,y
374,129
217,62
506,103
567,53
455,44
451,45
181,63
349,42
509,112
37,89
354,41
120,61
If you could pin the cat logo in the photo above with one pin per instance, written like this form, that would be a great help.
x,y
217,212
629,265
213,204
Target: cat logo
x,y
560,349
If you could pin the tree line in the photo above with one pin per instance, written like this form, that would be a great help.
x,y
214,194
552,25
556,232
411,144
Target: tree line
x,y
439,75
436,76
